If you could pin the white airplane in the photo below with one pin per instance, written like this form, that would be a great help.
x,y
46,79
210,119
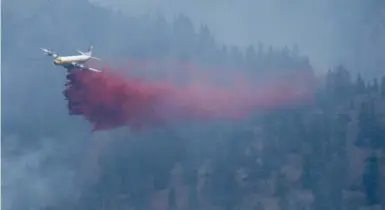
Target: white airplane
x,y
70,62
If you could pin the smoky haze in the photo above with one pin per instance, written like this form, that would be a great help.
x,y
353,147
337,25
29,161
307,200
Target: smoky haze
x,y
51,159
330,32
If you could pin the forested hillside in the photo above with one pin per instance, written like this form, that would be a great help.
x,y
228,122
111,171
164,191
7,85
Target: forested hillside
x,y
329,155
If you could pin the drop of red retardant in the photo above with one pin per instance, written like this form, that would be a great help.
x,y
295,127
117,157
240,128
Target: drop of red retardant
x,y
109,100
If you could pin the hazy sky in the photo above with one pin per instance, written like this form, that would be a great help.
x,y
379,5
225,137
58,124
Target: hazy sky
x,y
319,27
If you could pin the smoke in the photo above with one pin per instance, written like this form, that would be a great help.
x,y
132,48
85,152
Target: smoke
x,y
348,32
36,177
179,93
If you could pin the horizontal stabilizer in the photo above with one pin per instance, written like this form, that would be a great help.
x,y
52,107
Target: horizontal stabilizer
x,y
80,52
95,58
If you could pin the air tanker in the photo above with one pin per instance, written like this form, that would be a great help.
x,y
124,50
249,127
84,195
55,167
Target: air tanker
x,y
74,61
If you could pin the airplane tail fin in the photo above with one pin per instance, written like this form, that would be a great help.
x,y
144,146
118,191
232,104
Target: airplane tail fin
x,y
89,51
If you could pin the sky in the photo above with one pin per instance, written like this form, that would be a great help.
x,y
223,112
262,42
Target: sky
x,y
326,30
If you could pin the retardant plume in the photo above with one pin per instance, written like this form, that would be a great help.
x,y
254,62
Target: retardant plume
x,y
109,99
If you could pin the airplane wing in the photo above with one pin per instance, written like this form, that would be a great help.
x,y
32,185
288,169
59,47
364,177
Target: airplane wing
x,y
92,69
82,66
49,52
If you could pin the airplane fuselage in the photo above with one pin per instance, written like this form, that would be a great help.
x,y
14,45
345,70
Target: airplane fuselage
x,y
67,61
